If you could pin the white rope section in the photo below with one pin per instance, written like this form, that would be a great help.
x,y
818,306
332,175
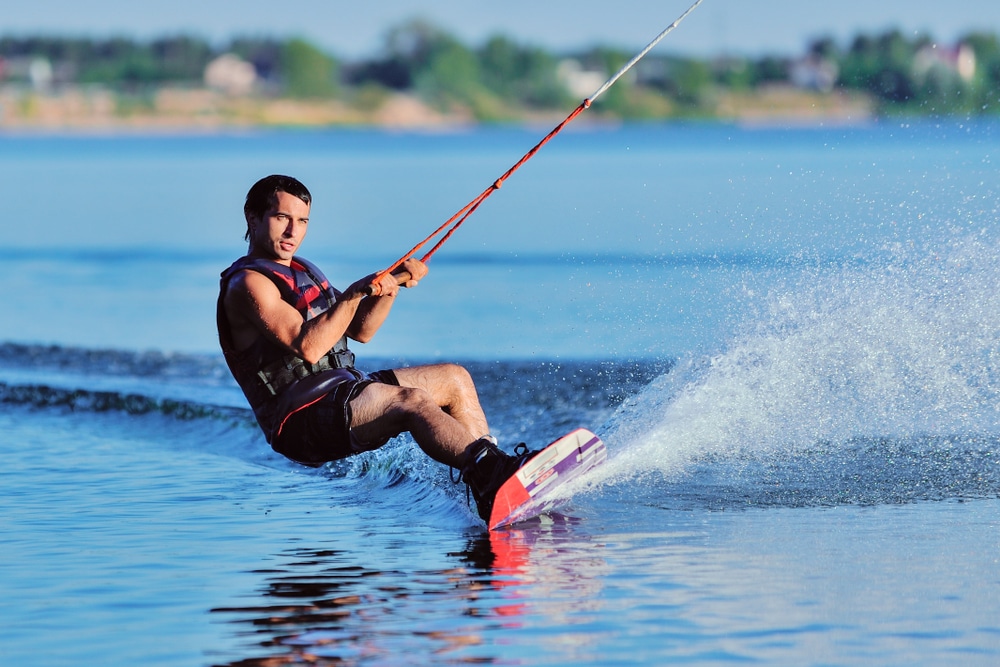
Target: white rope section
x,y
649,47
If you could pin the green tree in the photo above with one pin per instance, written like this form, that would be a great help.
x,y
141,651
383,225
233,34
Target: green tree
x,y
409,48
437,65
882,66
528,76
306,71
769,69
985,94
824,47
615,99
734,73
120,62
692,80
450,73
181,58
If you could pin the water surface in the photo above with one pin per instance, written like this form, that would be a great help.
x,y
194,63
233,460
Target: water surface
x,y
787,337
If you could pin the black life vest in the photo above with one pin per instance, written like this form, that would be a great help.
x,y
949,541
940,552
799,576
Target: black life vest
x,y
276,382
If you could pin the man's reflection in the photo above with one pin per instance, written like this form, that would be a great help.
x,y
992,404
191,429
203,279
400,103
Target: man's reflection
x,y
319,606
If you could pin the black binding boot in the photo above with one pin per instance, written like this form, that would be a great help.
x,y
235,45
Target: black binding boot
x,y
486,468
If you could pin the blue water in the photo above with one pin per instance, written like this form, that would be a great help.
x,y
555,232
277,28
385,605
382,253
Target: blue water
x,y
788,337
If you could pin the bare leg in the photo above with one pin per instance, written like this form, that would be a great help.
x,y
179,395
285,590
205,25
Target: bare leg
x,y
438,405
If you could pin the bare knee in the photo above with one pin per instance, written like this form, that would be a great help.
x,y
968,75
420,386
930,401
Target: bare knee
x,y
381,410
459,380
413,401
449,384
451,388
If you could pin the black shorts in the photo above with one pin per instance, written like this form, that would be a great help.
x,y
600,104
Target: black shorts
x,y
321,432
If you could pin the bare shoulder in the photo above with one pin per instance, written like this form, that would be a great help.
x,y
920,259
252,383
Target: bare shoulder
x,y
250,285
254,304
247,293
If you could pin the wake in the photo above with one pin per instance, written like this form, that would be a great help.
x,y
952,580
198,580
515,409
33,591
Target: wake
x,y
887,371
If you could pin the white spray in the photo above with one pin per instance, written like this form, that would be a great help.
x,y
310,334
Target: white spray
x,y
904,346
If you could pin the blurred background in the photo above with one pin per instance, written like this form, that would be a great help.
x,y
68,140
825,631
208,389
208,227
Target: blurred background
x,y
113,63
758,135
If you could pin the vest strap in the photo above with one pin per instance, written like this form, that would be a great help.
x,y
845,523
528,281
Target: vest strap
x,y
279,375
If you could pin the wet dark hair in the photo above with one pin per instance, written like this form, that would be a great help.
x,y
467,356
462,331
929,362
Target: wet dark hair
x,y
264,194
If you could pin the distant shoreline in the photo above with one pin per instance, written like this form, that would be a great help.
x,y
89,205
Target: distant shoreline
x,y
79,111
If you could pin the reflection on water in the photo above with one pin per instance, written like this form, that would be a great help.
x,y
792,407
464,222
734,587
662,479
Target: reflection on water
x,y
321,606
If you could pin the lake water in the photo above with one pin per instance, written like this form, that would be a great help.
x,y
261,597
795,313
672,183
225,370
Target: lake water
x,y
788,337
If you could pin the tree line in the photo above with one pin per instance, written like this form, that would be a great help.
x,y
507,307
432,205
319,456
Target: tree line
x,y
502,78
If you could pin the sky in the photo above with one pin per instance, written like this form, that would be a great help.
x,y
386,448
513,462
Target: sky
x,y
356,29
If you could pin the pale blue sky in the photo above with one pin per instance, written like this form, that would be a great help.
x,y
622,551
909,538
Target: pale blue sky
x,y
356,28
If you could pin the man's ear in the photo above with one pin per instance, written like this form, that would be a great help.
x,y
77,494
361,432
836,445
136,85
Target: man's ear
x,y
251,226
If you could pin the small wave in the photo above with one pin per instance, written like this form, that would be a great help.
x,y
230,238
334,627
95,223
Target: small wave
x,y
233,432
124,419
177,400
146,364
432,497
82,400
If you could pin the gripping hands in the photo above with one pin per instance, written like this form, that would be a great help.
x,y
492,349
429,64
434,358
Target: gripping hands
x,y
408,274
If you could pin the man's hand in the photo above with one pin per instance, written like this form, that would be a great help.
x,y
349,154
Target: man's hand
x,y
408,274
388,286
359,288
416,270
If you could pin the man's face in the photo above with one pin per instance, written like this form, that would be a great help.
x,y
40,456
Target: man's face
x,y
279,233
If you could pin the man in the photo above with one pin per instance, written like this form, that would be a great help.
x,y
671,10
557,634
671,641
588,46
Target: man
x,y
284,330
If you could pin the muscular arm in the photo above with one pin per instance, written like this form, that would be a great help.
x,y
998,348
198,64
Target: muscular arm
x,y
254,307
370,315
373,311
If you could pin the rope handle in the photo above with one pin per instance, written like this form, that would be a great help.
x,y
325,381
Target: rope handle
x,y
375,290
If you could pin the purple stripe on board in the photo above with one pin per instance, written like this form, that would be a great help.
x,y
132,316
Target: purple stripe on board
x,y
574,462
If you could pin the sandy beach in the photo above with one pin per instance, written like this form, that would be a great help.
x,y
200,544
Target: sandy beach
x,y
100,110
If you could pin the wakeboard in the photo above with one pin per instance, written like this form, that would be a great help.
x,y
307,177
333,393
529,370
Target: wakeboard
x,y
533,489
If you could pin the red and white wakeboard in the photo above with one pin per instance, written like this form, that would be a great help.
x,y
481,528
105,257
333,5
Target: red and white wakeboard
x,y
532,489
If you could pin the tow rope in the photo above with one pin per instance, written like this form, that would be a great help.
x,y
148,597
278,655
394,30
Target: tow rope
x,y
456,221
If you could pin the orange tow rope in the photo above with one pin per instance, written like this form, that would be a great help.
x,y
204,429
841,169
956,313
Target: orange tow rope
x,y
463,214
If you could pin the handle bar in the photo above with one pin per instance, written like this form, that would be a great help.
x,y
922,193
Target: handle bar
x,y
401,275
